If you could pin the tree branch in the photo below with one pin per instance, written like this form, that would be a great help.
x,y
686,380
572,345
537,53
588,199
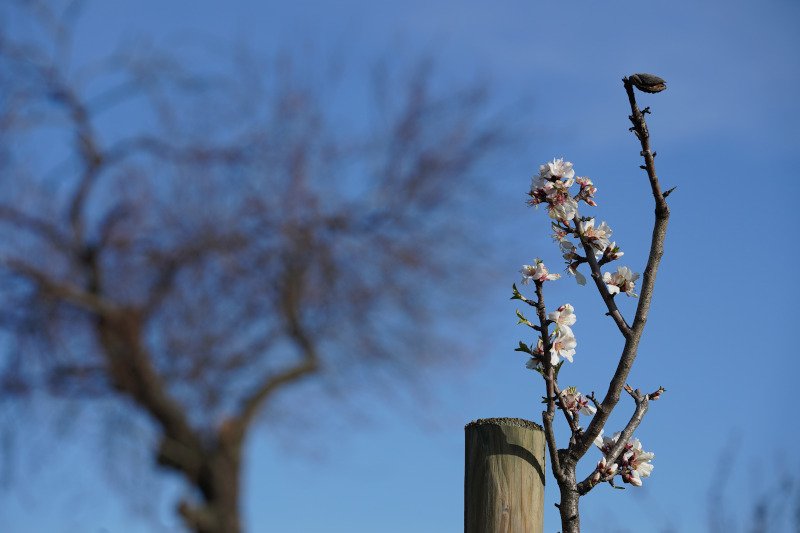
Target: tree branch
x,y
630,349
597,276
642,404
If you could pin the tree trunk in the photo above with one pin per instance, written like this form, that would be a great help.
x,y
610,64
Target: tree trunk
x,y
504,476
568,507
219,486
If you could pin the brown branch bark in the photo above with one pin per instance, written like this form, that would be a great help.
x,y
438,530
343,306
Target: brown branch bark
x,y
597,277
630,349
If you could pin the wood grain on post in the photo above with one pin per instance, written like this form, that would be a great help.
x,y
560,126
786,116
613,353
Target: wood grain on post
x,y
504,476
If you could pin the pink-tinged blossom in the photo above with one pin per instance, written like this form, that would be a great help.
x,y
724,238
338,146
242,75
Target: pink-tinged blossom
x,y
562,345
633,464
606,443
559,233
551,186
563,316
623,280
587,190
537,272
557,169
612,252
533,364
603,471
562,206
597,237
574,401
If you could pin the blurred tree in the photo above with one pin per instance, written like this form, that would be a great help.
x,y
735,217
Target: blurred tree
x,y
198,243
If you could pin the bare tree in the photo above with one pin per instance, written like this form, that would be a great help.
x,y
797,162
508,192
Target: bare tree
x,y
198,243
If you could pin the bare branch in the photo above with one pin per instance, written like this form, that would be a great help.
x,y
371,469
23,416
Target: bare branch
x,y
60,289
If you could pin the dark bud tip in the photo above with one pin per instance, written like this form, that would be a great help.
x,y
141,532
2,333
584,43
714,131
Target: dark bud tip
x,y
648,83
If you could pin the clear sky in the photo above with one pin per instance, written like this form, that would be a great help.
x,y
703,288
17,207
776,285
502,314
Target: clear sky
x,y
721,333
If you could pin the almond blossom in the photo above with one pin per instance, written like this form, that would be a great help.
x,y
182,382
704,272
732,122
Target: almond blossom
x,y
574,401
633,464
636,463
604,471
623,280
562,345
557,169
562,206
563,316
606,443
587,191
597,237
551,186
572,270
612,252
537,272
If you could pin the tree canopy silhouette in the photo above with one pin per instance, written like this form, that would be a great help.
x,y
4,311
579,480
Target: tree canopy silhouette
x,y
199,241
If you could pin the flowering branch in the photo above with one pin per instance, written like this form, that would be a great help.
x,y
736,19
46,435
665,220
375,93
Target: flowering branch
x,y
622,454
608,298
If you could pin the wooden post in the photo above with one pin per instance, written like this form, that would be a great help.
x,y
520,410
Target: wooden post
x,y
504,476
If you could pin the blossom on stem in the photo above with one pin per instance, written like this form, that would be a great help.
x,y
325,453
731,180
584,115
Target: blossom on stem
x,y
574,401
557,169
587,191
551,186
604,471
636,463
562,345
562,205
633,464
537,272
612,252
623,280
563,316
597,237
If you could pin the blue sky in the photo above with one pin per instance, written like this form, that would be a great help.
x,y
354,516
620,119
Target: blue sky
x,y
720,335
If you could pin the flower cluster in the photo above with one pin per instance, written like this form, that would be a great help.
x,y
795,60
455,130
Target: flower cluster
x,y
632,465
623,280
562,341
551,186
537,272
597,237
574,401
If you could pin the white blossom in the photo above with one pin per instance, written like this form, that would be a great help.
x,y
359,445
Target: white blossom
x,y
562,206
623,280
536,272
606,443
572,270
612,252
563,316
587,190
634,463
574,401
604,471
597,237
562,345
557,169
551,186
